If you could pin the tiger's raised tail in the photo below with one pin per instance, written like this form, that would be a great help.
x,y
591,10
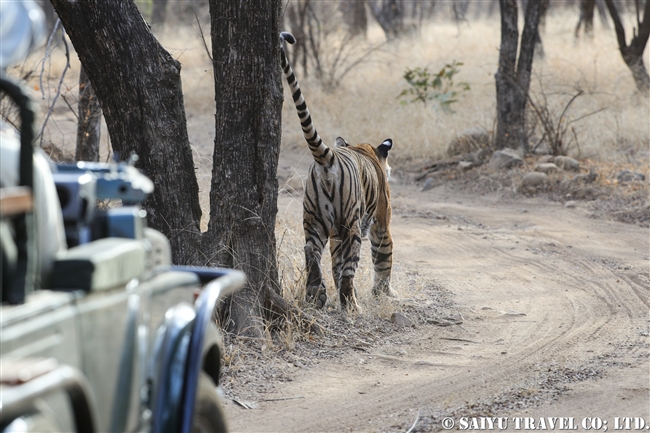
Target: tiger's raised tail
x,y
321,153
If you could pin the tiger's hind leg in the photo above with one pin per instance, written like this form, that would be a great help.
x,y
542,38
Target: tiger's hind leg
x,y
345,251
337,259
381,246
315,292
315,239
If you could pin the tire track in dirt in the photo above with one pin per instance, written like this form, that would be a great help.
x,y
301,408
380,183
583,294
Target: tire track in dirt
x,y
610,296
498,263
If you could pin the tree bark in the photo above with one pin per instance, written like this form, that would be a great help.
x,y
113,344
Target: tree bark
x,y
243,197
138,85
89,125
507,134
513,82
633,53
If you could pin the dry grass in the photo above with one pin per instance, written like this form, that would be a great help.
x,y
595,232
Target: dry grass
x,y
365,108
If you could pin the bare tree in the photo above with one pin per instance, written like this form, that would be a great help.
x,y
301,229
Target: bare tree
x,y
539,44
459,8
89,121
513,76
390,16
244,193
633,53
298,23
355,16
139,87
586,19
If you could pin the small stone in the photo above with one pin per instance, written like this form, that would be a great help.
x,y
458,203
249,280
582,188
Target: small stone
x,y
465,165
533,181
547,167
458,318
428,184
505,159
401,320
567,163
571,204
626,176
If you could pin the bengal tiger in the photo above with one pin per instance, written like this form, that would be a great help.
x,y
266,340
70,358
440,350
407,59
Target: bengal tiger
x,y
346,198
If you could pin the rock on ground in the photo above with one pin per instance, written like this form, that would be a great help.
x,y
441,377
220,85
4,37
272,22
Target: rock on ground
x,y
567,163
534,181
629,176
505,158
547,167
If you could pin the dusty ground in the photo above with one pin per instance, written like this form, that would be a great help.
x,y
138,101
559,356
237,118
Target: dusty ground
x,y
520,306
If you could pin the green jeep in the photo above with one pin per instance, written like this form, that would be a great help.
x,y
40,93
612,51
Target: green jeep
x,y
98,331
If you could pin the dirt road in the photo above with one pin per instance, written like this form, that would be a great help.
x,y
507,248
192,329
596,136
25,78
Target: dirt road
x,y
554,310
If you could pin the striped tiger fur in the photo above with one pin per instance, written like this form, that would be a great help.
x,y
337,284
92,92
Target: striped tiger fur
x,y
346,198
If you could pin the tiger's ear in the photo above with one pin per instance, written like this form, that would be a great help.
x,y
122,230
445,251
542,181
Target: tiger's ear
x,y
341,142
384,147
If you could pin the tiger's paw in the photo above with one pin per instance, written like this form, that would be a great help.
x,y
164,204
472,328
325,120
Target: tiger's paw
x,y
316,295
384,288
347,296
351,306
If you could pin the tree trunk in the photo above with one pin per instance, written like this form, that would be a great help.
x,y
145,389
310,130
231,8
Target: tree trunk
x,y
459,8
602,13
512,84
159,13
507,134
243,197
633,53
89,125
138,85
390,16
541,26
355,16
586,18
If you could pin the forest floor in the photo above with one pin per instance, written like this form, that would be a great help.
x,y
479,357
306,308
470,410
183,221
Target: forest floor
x,y
513,306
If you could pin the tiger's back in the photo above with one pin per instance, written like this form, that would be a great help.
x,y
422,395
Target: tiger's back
x,y
346,197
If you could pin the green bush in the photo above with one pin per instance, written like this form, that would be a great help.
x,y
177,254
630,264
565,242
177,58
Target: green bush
x,y
438,87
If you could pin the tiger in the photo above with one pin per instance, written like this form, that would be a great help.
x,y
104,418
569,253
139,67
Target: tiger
x,y
346,198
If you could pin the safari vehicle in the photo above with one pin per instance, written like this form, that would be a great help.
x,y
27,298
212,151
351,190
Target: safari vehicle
x,y
98,332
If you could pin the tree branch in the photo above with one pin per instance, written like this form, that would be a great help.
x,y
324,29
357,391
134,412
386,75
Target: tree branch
x,y
58,89
618,25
